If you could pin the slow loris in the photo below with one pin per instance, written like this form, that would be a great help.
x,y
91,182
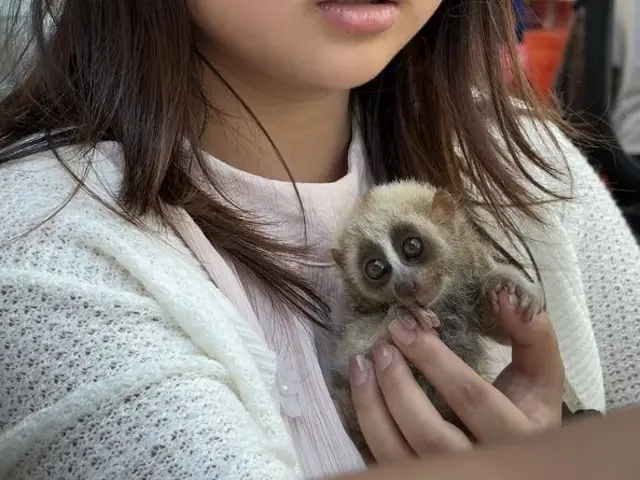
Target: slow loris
x,y
410,248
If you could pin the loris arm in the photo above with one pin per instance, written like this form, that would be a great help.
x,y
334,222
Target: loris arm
x,y
507,277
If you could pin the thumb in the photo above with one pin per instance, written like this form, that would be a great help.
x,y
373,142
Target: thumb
x,y
535,350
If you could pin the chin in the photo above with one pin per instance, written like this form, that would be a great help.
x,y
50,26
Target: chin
x,y
344,83
334,79
347,66
349,76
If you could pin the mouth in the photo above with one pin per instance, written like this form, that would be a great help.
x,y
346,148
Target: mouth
x,y
360,17
360,2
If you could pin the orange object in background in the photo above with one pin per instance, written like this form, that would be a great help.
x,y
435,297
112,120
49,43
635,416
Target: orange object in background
x,y
545,11
544,49
544,41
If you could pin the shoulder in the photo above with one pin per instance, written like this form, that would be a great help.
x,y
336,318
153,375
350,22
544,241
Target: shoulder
x,y
589,212
588,195
555,147
56,278
573,175
48,221
110,339
34,188
565,191
606,258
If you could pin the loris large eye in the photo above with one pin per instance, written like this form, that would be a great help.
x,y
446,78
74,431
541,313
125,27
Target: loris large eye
x,y
376,269
412,247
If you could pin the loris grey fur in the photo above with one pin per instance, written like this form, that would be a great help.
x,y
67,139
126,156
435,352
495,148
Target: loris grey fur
x,y
410,248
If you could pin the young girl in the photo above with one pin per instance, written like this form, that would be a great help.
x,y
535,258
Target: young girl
x,y
173,173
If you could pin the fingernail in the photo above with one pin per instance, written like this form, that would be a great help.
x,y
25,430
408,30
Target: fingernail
x,y
359,370
404,330
382,355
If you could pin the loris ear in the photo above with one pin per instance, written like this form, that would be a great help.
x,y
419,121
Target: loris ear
x,y
443,203
336,253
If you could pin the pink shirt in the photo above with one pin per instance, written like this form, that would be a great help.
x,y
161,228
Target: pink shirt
x,y
322,444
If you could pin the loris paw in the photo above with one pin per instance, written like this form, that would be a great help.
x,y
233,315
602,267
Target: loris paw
x,y
424,317
525,295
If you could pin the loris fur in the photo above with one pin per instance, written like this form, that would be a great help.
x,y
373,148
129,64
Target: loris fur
x,y
409,247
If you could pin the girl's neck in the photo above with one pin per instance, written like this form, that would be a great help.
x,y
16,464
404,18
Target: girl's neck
x,y
312,132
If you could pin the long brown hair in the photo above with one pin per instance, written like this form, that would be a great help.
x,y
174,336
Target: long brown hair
x,y
92,73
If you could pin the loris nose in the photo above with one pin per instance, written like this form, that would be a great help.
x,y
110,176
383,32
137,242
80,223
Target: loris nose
x,y
406,289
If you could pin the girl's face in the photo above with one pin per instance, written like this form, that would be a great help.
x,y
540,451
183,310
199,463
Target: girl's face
x,y
306,44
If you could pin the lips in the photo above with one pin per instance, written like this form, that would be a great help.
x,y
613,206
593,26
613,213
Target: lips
x,y
360,17
359,2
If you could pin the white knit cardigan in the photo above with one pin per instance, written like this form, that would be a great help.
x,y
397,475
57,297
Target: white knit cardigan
x,y
120,359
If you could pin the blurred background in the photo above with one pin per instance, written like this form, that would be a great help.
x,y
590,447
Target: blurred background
x,y
584,55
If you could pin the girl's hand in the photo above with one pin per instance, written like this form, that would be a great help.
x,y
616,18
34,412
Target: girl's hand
x,y
399,422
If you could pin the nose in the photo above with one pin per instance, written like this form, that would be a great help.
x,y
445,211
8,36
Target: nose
x,y
406,289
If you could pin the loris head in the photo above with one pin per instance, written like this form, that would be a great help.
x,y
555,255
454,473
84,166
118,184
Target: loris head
x,y
398,244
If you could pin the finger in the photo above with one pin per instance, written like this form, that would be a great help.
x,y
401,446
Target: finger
x,y
376,423
486,412
535,350
419,421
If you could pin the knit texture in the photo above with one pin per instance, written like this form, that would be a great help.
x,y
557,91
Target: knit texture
x,y
119,359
